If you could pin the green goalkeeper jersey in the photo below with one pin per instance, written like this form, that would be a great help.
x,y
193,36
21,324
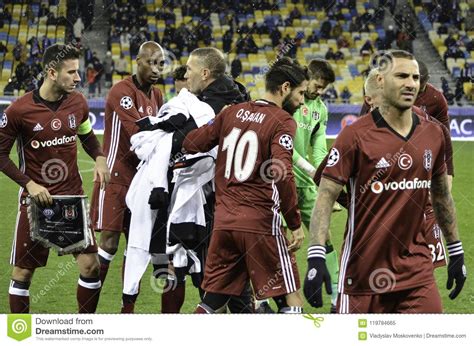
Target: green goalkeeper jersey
x,y
310,139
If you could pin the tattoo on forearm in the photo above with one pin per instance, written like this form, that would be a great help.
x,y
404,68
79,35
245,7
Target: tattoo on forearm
x,y
321,216
443,206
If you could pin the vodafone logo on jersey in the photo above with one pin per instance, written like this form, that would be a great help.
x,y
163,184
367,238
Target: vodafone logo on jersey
x,y
405,161
53,142
56,124
378,187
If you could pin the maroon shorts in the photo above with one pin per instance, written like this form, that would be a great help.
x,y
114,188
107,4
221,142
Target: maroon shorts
x,y
419,300
30,254
109,211
236,256
433,236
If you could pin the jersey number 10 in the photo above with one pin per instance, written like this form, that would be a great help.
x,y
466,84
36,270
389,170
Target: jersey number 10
x,y
235,146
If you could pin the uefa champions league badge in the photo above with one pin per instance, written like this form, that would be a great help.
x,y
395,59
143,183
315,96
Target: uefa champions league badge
x,y
3,121
126,102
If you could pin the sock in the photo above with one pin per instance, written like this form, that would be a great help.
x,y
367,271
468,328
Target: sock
x,y
203,309
88,292
19,297
333,268
105,258
128,303
291,310
172,299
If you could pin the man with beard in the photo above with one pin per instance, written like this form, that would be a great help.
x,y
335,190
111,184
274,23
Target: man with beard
x,y
127,102
391,161
247,241
310,149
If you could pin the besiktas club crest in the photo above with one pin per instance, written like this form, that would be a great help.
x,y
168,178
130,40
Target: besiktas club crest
x,y
70,212
428,159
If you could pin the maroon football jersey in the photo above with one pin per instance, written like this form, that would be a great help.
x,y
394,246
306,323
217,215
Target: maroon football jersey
x,y
46,140
433,102
388,179
126,103
254,175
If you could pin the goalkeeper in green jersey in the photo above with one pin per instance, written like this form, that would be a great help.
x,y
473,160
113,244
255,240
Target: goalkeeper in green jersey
x,y
310,149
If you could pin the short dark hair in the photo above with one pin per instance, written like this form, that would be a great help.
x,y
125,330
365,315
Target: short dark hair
x,y
212,59
56,54
179,72
321,68
285,70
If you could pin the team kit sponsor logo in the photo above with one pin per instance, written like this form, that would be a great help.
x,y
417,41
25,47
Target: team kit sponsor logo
x,y
378,187
38,128
53,142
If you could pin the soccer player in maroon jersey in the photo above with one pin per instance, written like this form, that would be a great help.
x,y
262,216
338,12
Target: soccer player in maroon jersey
x,y
247,241
45,123
390,160
128,101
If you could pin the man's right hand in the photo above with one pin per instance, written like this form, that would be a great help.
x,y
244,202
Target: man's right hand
x,y
39,193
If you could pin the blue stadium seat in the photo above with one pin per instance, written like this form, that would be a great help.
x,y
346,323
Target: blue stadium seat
x,y
456,72
7,65
255,70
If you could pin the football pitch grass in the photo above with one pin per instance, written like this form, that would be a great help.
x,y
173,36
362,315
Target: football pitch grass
x,y
54,287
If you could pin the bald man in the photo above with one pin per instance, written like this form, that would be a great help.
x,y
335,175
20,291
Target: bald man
x,y
129,100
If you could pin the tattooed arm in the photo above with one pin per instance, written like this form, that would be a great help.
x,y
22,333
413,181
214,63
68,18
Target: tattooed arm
x,y
443,206
320,219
